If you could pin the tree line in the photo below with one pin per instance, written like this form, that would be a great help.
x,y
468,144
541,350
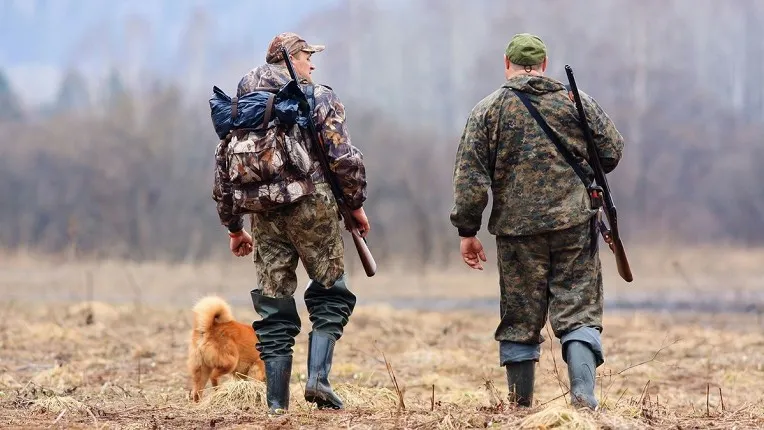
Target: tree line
x,y
128,173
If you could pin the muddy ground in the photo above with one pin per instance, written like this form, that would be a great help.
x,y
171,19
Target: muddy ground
x,y
99,365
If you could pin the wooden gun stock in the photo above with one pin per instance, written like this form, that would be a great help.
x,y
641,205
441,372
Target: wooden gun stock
x,y
622,262
615,245
367,260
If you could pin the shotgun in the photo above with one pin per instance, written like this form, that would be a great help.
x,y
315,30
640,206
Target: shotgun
x,y
610,235
369,265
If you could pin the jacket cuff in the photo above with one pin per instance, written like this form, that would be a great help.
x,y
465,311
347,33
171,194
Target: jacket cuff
x,y
236,225
463,232
354,204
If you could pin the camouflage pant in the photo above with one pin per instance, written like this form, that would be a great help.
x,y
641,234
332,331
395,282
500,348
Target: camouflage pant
x,y
307,231
556,274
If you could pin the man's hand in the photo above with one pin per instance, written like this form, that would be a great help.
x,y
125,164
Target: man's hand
x,y
241,243
363,223
471,249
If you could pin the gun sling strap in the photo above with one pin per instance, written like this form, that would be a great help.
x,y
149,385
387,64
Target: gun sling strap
x,y
596,223
566,154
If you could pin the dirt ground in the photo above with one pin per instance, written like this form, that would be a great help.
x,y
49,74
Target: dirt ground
x,y
99,365
102,344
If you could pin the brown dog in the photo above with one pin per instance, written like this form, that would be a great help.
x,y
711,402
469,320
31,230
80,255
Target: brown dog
x,y
220,345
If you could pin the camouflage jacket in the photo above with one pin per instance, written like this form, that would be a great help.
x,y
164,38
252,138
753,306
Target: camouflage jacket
x,y
345,160
503,148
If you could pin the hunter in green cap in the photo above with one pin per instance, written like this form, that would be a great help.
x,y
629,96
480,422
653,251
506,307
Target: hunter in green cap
x,y
543,217
526,49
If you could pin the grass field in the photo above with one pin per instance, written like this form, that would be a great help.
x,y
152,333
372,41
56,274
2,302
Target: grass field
x,y
102,345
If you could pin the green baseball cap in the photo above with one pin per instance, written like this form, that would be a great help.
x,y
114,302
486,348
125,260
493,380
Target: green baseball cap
x,y
526,49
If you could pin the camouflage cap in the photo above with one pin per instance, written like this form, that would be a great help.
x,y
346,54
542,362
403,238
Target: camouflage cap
x,y
292,42
526,50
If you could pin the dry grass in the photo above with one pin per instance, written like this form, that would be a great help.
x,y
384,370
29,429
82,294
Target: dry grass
x,y
670,270
110,352
235,396
558,417
129,371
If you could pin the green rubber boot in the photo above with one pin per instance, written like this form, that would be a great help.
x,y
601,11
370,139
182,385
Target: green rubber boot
x,y
520,379
276,331
581,365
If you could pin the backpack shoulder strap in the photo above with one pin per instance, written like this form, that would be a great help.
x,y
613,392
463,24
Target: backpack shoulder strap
x,y
566,154
268,111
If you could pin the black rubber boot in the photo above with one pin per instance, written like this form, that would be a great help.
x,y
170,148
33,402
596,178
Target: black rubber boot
x,y
581,365
520,379
276,331
317,388
329,310
278,372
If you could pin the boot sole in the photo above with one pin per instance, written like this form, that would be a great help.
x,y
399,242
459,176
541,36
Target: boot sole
x,y
321,401
579,402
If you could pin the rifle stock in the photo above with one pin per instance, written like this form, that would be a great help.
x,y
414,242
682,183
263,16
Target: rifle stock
x,y
611,236
367,259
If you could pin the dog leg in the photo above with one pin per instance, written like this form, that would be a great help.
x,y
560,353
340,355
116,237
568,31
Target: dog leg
x,y
258,371
216,374
200,374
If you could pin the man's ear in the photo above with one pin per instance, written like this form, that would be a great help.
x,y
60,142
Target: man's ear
x,y
544,64
506,62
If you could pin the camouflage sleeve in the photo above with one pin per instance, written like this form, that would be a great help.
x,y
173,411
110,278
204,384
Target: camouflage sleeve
x,y
607,138
345,160
221,191
472,176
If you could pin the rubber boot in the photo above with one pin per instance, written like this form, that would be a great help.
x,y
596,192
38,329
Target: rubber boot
x,y
317,388
329,310
278,372
276,331
520,379
581,365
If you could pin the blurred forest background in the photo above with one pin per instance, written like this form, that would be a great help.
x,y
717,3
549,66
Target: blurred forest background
x,y
106,144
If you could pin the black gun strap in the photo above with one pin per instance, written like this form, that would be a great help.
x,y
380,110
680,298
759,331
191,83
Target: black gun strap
x,y
553,137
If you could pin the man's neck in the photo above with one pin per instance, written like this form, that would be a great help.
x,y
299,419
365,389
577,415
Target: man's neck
x,y
512,73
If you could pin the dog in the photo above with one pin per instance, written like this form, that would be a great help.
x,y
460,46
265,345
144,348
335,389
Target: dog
x,y
220,345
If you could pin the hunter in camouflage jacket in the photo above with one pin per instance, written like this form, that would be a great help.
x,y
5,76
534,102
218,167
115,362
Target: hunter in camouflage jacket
x,y
502,149
346,161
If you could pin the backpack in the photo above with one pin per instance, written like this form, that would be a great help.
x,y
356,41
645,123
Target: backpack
x,y
267,163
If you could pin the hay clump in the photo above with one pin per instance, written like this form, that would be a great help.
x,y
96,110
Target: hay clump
x,y
60,377
556,417
354,396
58,404
236,395
466,399
7,381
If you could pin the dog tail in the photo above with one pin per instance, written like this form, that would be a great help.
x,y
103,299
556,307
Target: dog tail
x,y
211,310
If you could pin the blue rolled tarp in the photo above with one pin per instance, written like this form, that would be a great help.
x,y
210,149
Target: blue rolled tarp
x,y
251,107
